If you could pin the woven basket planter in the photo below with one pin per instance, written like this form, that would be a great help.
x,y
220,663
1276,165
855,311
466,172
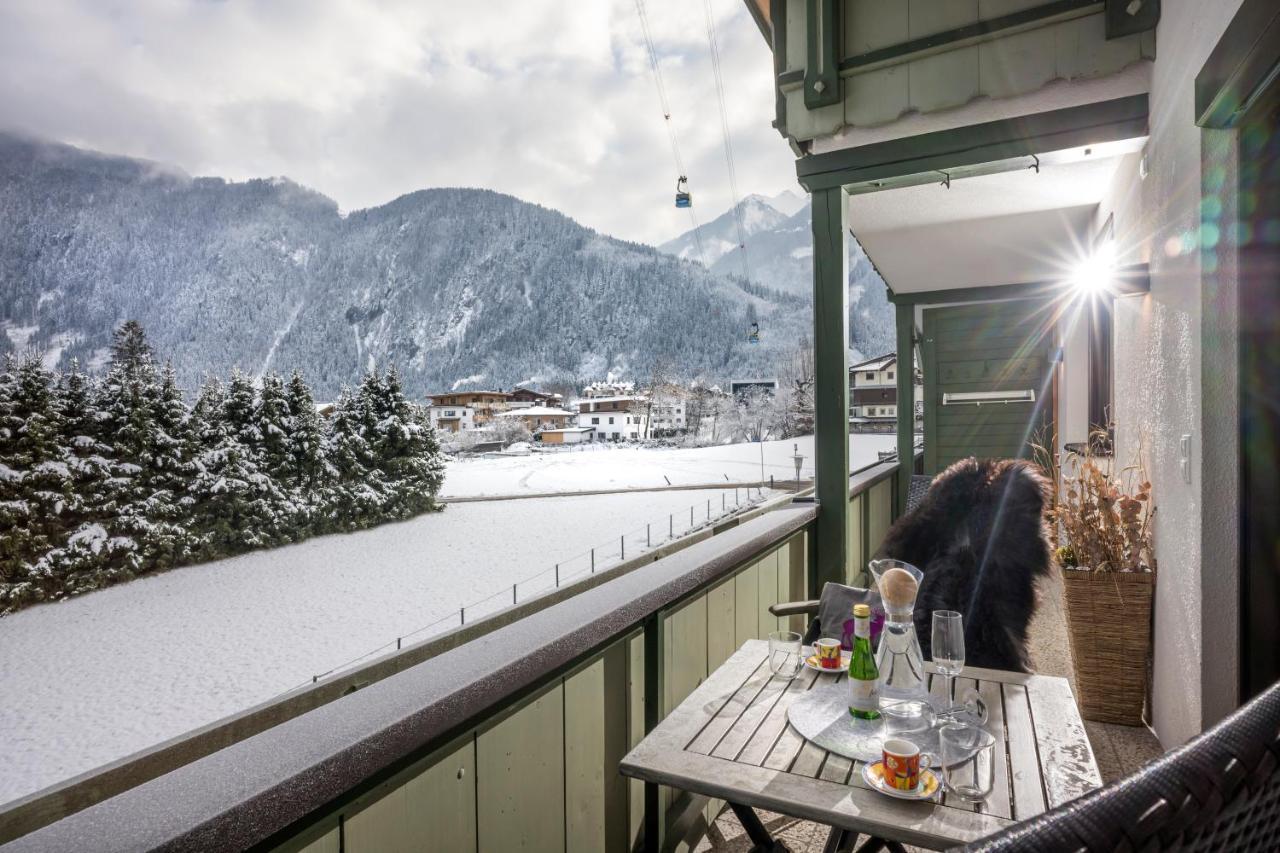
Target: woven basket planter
x,y
1109,623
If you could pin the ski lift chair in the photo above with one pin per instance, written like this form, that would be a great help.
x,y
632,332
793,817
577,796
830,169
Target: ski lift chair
x,y
684,198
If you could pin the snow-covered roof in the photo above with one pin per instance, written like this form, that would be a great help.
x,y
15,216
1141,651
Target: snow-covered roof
x,y
634,397
534,411
877,363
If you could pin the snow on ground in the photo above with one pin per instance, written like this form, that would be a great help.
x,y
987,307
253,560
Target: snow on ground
x,y
599,466
97,677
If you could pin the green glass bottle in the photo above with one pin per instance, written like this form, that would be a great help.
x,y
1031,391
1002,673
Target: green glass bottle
x,y
864,701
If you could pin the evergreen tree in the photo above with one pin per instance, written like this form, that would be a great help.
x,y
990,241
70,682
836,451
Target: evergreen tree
x,y
405,449
165,505
306,435
36,486
352,498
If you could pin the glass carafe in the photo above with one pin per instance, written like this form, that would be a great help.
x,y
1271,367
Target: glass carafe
x,y
899,659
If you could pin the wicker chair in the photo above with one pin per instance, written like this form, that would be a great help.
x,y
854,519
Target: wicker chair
x,y
1221,791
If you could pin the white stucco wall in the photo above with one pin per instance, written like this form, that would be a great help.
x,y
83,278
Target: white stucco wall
x,y
1159,395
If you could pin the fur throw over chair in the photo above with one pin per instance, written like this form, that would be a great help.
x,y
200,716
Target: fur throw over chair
x,y
980,538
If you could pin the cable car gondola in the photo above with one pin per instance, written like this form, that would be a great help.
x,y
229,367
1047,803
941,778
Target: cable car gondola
x,y
753,336
684,198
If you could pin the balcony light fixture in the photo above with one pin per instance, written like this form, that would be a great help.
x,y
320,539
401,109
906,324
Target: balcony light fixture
x,y
1095,273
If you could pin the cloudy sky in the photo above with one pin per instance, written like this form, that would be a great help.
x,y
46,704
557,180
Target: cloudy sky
x,y
549,101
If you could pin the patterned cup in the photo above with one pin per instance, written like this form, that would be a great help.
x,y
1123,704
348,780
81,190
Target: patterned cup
x,y
902,763
828,651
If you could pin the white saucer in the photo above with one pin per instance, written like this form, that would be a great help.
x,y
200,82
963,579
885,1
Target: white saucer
x,y
811,662
928,786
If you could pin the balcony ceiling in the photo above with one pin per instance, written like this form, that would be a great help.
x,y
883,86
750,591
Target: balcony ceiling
x,y
1003,224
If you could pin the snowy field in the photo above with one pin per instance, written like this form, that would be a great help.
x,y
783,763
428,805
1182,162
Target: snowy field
x,y
90,680
95,678
605,467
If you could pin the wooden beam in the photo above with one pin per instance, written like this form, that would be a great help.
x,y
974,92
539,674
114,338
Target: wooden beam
x,y
831,381
1240,65
988,142
989,28
822,68
1126,281
906,404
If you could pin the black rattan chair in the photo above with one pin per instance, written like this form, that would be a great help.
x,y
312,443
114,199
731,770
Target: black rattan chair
x,y
1219,792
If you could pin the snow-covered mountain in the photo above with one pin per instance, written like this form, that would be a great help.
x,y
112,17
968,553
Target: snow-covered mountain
x,y
452,285
780,257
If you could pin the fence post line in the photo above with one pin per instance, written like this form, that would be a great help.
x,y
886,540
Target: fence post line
x,y
593,561
462,615
708,509
691,516
514,600
648,536
557,575
771,481
671,525
622,541
397,643
314,679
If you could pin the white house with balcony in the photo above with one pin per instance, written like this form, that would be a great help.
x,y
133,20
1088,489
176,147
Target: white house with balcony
x,y
618,418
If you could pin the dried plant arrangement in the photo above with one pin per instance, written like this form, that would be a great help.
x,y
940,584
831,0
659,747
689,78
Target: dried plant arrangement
x,y
1105,519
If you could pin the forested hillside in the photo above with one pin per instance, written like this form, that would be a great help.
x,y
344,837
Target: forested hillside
x,y
450,285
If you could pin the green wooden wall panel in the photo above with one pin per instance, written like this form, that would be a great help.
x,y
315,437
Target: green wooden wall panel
x,y
722,625
442,803
685,651
746,607
330,842
434,810
635,726
856,543
520,778
985,347
767,577
880,513
784,585
595,722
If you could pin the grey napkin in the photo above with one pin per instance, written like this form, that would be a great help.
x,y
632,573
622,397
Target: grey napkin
x,y
835,612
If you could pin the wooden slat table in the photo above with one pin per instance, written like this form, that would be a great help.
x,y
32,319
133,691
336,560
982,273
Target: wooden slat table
x,y
730,740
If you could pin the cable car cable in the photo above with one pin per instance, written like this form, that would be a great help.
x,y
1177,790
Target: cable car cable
x,y
671,130
714,45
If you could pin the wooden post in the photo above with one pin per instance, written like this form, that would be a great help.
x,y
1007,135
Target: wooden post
x,y
654,682
906,406
831,382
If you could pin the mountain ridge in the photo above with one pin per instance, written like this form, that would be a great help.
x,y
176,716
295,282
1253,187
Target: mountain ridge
x,y
447,283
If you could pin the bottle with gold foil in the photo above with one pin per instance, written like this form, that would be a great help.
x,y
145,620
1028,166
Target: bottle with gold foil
x,y
864,700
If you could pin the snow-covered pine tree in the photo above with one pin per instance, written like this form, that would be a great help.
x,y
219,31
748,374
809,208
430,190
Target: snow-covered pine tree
x,y
275,459
36,486
351,499
166,506
308,470
127,400
240,504
87,551
405,449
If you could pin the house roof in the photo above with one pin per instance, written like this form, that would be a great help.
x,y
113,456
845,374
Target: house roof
x,y
568,429
535,411
621,399
877,363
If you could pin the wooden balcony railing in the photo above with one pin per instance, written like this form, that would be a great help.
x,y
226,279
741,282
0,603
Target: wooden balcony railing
x,y
513,734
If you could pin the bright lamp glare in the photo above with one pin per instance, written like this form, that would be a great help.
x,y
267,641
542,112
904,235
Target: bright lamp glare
x,y
1094,273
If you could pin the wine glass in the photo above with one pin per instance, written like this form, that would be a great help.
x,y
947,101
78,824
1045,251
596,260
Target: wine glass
x,y
948,652
785,658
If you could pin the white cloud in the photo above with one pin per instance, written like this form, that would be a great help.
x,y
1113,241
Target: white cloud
x,y
551,102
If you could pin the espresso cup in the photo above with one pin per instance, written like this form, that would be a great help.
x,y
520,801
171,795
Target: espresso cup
x,y
828,652
902,763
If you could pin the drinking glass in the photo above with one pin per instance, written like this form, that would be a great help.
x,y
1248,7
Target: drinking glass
x,y
968,761
907,719
785,657
948,652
